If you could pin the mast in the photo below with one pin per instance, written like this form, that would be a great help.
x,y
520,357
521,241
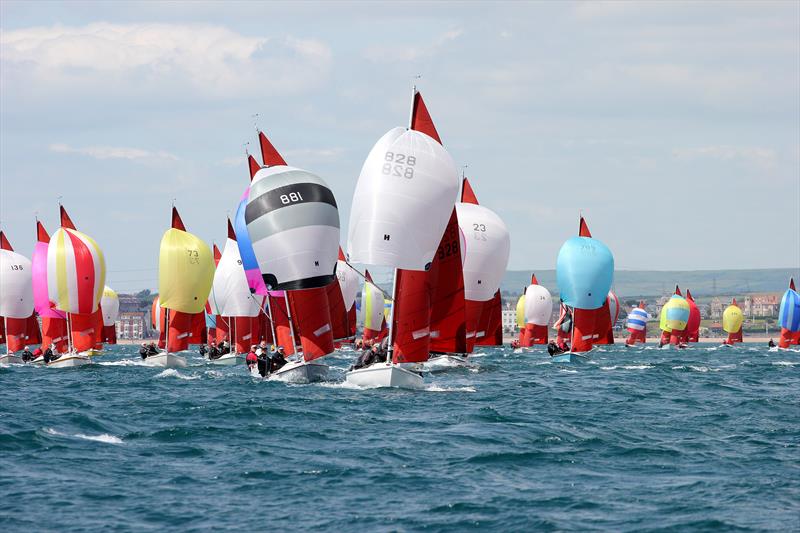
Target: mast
x,y
166,327
69,334
5,333
271,322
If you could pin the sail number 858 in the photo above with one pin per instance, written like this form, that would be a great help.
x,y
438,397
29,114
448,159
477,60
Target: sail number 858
x,y
397,164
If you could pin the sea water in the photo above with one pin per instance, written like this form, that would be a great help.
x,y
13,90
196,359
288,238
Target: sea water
x,y
634,439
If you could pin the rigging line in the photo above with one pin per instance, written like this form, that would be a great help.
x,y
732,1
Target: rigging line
x,y
364,277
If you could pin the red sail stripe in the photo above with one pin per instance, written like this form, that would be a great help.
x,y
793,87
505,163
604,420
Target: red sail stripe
x,y
84,273
313,322
446,282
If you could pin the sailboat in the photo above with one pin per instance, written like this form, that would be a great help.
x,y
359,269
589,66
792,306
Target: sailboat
x,y
732,320
402,205
789,317
233,303
692,331
537,312
109,303
637,325
76,273
54,322
584,272
342,301
185,275
292,220
16,299
487,245
673,319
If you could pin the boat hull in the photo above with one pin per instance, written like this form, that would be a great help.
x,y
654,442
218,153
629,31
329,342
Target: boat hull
x,y
70,361
569,358
10,359
166,360
92,353
229,359
301,372
383,375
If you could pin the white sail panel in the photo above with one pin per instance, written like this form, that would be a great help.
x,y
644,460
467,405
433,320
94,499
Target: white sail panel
x,y
348,283
372,307
109,303
486,250
76,272
538,305
16,285
402,202
230,292
293,222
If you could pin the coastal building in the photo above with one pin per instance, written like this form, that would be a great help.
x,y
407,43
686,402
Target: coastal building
x,y
133,325
716,308
762,305
509,319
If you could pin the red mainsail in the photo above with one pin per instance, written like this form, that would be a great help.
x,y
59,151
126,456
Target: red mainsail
x,y
411,328
312,321
491,322
448,328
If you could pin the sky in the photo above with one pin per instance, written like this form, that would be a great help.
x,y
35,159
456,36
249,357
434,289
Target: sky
x,y
674,128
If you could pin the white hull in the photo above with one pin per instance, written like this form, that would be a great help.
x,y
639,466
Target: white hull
x,y
10,359
70,361
383,375
38,360
301,372
229,359
166,360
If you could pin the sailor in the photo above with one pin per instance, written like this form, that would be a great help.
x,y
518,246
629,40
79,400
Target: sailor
x,y
36,353
213,351
771,343
278,359
48,355
263,362
224,348
562,344
143,351
26,355
152,349
359,344
381,351
203,350
251,360
552,348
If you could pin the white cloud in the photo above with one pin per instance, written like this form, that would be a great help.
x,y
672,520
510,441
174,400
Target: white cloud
x,y
380,54
210,59
114,152
764,157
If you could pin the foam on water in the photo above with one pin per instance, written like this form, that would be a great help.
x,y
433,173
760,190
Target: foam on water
x,y
106,438
172,373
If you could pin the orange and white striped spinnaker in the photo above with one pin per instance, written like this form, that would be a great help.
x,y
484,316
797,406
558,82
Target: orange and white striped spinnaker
x,y
76,272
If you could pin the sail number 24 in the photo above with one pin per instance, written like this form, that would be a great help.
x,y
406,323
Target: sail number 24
x,y
400,165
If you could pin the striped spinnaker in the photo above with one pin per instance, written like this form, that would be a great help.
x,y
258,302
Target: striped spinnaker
x,y
789,314
637,319
76,272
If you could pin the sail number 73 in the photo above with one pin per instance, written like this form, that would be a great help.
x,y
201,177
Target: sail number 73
x,y
401,165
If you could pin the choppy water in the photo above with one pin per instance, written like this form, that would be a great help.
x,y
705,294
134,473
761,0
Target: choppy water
x,y
659,440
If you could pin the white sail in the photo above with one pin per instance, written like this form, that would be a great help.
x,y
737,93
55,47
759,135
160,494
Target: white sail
x,y
293,222
109,303
16,285
230,292
486,248
348,283
402,202
538,305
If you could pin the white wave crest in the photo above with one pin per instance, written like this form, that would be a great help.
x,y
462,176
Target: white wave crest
x,y
172,373
105,437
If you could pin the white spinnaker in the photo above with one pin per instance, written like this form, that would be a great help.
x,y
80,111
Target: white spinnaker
x,y
538,305
402,202
486,249
109,303
230,293
613,307
348,283
16,285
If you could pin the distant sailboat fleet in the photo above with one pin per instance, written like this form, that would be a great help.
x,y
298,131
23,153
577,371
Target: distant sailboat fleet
x,y
283,281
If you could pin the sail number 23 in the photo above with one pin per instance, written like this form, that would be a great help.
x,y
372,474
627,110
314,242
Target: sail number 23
x,y
397,164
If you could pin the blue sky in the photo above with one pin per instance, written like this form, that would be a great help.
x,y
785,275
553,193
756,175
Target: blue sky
x,y
674,127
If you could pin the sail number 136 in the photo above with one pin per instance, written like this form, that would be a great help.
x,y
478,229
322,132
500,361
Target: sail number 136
x,y
397,164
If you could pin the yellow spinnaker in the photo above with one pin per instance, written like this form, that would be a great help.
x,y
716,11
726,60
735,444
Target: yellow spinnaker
x,y
732,319
521,312
185,272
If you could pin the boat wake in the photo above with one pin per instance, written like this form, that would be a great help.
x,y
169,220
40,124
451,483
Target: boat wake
x,y
104,437
627,367
172,373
